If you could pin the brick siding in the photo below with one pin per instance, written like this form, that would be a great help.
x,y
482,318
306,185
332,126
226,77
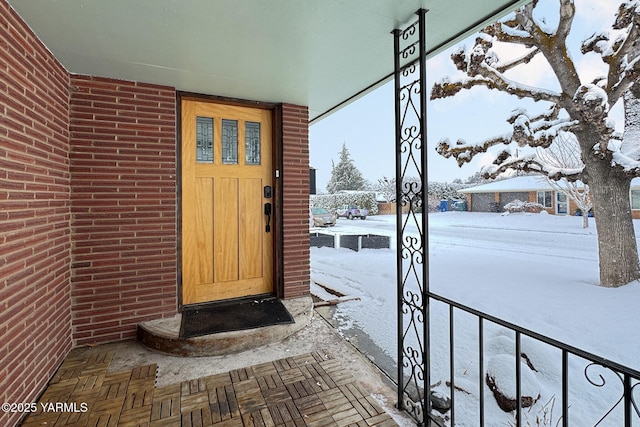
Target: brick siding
x,y
35,312
295,176
88,243
123,166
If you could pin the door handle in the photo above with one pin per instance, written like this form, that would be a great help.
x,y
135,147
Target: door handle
x,y
267,212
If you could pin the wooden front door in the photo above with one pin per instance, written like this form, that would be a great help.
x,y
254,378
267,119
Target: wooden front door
x,y
226,154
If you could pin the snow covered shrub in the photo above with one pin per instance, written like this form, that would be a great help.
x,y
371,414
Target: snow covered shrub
x,y
519,206
501,371
436,191
443,191
333,202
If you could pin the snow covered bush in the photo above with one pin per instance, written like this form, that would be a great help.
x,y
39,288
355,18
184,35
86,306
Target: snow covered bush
x,y
333,202
501,371
446,190
436,191
520,206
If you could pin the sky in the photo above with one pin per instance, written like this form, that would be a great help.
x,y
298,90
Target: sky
x,y
502,257
366,126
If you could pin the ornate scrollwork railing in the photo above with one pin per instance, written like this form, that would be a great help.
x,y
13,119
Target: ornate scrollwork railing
x,y
412,250
416,302
613,389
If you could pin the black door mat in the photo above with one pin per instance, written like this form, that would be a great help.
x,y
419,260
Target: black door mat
x,y
233,315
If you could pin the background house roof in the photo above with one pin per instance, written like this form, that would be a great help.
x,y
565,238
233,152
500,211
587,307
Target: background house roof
x,y
523,183
307,52
517,184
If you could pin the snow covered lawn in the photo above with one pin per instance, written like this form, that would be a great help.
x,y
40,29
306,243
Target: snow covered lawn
x,y
535,270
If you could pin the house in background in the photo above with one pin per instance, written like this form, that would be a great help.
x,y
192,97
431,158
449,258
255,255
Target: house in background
x,y
492,197
140,141
635,198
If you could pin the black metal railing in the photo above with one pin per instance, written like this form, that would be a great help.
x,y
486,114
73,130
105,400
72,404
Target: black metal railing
x,y
412,250
619,407
418,306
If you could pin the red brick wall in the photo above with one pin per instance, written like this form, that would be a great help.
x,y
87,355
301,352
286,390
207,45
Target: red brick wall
x,y
123,166
35,312
295,176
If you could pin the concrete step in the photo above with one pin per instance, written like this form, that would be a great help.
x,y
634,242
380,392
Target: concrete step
x,y
163,334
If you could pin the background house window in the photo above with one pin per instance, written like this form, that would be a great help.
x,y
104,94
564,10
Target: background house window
x,y
635,199
545,198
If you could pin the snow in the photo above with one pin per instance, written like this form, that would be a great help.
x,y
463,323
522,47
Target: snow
x,y
626,162
595,93
536,271
520,183
634,4
552,130
501,366
513,32
522,123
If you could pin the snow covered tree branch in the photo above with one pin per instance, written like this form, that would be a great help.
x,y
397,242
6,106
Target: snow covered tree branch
x,y
479,65
607,162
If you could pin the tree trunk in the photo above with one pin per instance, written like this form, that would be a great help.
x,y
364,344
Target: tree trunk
x,y
617,248
585,219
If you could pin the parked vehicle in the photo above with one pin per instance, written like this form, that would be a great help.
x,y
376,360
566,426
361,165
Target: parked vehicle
x,y
352,212
322,217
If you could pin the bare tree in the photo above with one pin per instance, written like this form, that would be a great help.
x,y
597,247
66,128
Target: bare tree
x,y
564,153
387,187
581,108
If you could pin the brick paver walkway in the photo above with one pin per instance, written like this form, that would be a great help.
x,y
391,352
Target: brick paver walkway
x,y
313,389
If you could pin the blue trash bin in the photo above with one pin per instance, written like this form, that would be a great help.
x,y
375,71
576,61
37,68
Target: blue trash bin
x,y
444,205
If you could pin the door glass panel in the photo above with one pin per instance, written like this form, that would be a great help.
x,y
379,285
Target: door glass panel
x,y
229,142
252,143
204,140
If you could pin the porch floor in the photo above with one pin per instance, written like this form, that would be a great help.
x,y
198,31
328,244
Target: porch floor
x,y
312,389
123,384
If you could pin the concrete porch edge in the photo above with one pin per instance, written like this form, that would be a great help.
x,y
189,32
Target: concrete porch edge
x,y
162,335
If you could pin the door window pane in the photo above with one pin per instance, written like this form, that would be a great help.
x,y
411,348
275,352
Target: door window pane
x,y
204,140
229,142
252,143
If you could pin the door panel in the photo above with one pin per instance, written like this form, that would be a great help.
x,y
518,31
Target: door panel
x,y
204,225
226,163
251,213
225,229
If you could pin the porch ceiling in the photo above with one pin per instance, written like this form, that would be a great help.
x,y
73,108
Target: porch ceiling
x,y
320,53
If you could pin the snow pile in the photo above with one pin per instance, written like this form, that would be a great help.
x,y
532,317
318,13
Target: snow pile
x,y
536,271
501,371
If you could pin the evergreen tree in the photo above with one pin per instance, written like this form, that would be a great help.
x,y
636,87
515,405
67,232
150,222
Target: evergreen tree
x,y
345,175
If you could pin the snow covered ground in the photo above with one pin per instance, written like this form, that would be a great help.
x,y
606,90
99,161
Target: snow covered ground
x,y
535,270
